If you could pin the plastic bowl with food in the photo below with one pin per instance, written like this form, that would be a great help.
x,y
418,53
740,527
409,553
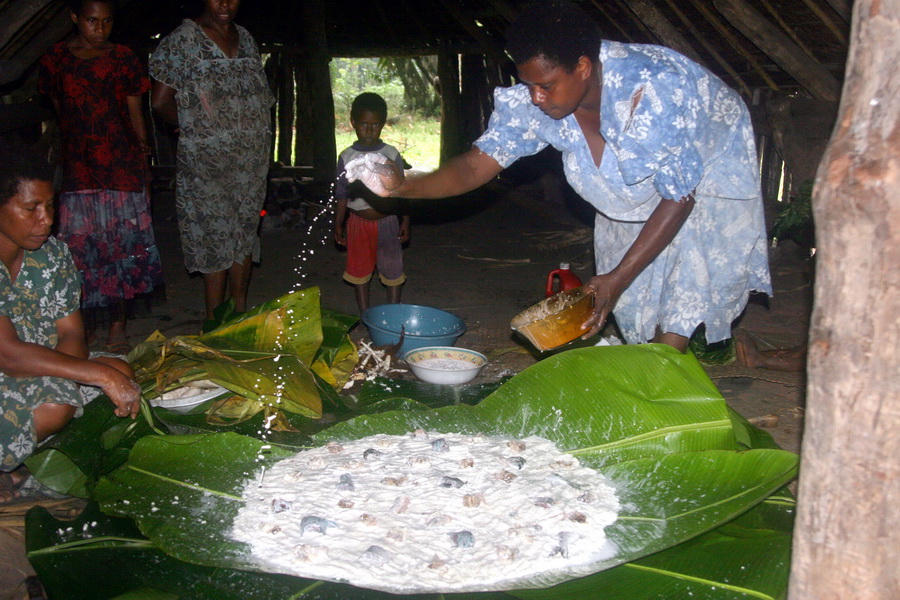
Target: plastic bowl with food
x,y
421,326
189,397
557,320
445,365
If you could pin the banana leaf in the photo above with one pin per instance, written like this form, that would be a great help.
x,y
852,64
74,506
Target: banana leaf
x,y
647,417
290,324
746,558
267,356
71,461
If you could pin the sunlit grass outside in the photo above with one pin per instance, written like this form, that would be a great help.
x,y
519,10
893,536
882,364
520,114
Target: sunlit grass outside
x,y
417,138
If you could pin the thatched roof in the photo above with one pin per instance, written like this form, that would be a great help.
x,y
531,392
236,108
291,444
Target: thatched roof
x,y
784,45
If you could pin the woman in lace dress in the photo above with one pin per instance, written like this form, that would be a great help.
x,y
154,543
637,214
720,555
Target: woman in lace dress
x,y
209,81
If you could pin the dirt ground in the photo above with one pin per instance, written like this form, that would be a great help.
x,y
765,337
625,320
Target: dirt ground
x,y
483,259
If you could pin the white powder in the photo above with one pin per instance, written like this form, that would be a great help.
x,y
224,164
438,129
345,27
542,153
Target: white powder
x,y
428,513
446,364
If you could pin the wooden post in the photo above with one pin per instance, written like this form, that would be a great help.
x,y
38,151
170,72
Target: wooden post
x,y
321,99
286,108
473,81
847,536
303,131
448,74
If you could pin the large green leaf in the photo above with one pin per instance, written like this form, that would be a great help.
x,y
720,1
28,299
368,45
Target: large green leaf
x,y
603,404
97,442
647,417
746,558
185,491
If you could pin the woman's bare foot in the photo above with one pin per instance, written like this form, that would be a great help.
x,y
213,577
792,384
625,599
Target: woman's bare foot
x,y
746,352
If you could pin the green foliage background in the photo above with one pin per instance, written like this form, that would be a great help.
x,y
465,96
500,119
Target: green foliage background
x,y
414,125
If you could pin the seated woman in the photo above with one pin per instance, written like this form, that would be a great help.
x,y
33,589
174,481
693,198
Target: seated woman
x,y
43,356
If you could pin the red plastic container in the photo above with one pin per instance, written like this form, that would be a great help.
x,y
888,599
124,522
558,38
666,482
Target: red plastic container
x,y
566,278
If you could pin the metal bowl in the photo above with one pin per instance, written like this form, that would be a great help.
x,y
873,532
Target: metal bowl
x,y
445,365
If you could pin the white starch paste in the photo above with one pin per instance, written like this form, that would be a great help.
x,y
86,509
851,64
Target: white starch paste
x,y
428,512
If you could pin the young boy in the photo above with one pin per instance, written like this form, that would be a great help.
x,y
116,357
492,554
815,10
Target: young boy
x,y
373,238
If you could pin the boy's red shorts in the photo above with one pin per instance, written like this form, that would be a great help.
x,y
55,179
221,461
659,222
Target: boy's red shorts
x,y
372,244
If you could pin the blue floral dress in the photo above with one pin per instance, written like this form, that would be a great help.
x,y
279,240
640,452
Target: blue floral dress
x,y
46,290
223,145
687,133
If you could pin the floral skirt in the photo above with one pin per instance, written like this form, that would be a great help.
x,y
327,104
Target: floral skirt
x,y
111,239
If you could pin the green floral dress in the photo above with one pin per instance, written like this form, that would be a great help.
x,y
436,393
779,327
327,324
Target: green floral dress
x,y
46,290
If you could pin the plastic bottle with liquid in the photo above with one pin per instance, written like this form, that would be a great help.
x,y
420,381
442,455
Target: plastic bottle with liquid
x,y
566,278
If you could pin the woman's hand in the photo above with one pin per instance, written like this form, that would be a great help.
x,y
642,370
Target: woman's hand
x,y
120,386
377,171
606,290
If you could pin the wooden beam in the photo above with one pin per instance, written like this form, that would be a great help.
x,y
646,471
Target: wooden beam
x,y
809,73
468,23
787,28
625,36
843,8
828,21
726,66
16,16
636,20
656,21
735,43
503,8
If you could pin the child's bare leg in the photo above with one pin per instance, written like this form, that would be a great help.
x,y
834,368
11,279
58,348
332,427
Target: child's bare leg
x,y
362,296
50,418
393,293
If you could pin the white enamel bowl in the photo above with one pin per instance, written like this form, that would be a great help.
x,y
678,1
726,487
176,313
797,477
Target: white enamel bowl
x,y
445,365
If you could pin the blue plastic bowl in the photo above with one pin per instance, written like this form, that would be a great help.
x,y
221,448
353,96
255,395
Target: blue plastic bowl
x,y
422,326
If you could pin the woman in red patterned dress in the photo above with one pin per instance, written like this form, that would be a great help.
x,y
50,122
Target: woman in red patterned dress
x,y
104,213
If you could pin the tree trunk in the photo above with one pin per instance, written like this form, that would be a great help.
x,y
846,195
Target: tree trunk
x,y
847,542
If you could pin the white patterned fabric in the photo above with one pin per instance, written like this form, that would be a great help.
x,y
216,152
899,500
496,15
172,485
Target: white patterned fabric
x,y
686,132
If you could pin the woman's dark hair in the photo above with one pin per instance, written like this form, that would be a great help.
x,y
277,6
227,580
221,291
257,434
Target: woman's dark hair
x,y
559,31
369,101
19,163
76,6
